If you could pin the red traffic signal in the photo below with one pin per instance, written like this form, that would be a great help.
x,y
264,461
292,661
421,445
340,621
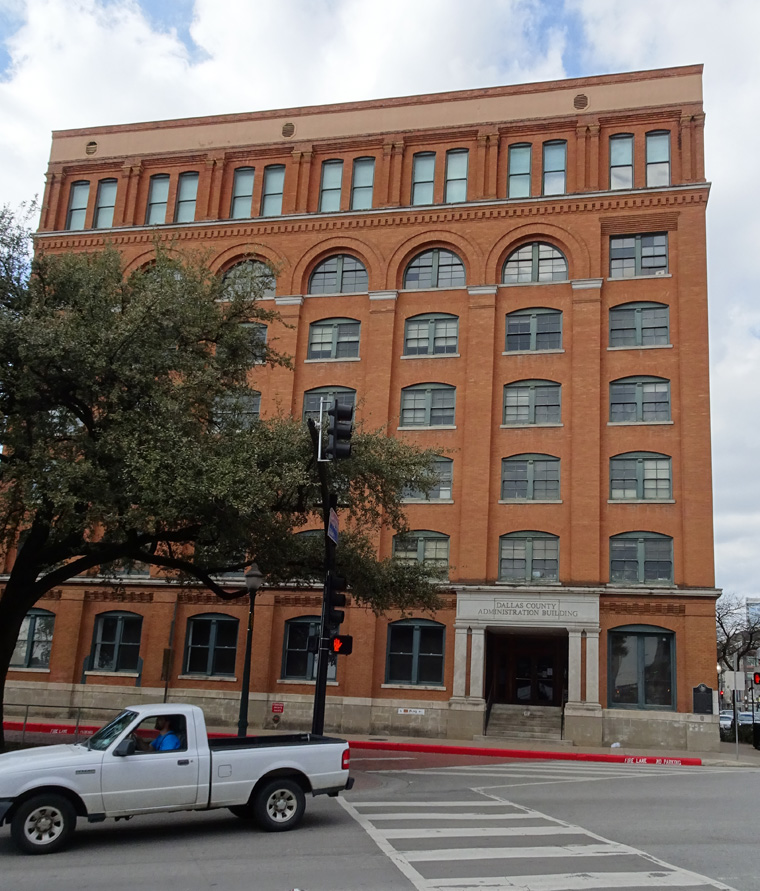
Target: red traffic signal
x,y
756,677
341,644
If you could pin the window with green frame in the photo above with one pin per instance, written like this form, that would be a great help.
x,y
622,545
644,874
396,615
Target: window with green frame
x,y
428,405
331,186
441,491
641,558
35,640
530,478
415,654
641,476
116,642
621,161
518,185
639,324
431,334
251,278
79,195
340,274
334,339
211,644
639,400
298,661
535,262
658,158
529,557
533,330
636,255
436,268
311,398
456,176
423,177
532,402
641,667
431,549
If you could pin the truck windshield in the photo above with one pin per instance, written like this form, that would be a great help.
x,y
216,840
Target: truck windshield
x,y
106,735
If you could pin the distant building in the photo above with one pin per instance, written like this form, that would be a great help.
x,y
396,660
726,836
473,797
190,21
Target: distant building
x,y
515,276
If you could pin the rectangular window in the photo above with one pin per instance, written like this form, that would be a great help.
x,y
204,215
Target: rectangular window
x,y
621,162
105,202
634,401
456,176
426,336
415,653
35,641
658,159
158,198
532,404
242,193
362,183
78,198
187,192
271,195
639,478
641,670
645,325
441,491
633,255
555,167
423,177
519,171
329,193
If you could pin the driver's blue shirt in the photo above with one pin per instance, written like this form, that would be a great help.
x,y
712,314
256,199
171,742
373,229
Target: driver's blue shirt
x,y
166,743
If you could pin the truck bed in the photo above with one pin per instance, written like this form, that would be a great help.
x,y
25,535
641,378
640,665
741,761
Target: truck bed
x,y
222,743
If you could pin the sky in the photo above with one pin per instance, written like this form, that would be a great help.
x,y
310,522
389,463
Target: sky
x,y
79,63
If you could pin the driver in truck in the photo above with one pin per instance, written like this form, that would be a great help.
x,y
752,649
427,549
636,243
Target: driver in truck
x,y
168,739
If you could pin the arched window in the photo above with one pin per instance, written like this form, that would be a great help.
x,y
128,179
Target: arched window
x,y
534,330
621,161
431,334
639,324
530,478
529,557
105,202
249,279
415,652
311,398
299,662
436,268
431,549
532,402
641,476
211,644
428,405
116,641
658,158
341,274
535,262
334,339
441,491
35,640
641,667
641,558
639,400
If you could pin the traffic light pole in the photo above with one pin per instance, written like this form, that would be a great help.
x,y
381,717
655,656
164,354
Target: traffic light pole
x,y
318,717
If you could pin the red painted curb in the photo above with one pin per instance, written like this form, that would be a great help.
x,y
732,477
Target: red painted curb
x,y
526,753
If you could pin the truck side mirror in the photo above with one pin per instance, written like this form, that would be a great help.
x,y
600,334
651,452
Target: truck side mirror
x,y
125,747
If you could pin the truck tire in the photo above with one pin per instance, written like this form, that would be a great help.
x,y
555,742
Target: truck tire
x,y
43,824
279,805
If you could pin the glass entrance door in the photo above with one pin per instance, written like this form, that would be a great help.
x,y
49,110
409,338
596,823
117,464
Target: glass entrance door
x,y
528,670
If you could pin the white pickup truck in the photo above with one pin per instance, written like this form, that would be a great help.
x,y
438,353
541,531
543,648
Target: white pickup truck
x,y
129,768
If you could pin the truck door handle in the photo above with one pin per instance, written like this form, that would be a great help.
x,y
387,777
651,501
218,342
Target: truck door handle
x,y
183,761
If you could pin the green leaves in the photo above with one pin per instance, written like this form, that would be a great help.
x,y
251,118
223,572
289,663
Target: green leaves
x,y
130,431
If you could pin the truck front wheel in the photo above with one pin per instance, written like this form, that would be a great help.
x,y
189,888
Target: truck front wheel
x,y
279,805
43,824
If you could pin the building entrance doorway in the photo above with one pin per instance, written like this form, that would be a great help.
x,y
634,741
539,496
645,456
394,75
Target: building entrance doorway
x,y
527,670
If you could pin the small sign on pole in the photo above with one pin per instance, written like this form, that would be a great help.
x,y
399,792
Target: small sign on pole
x,y
332,526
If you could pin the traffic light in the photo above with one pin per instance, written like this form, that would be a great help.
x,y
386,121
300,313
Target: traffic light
x,y
341,644
756,678
339,430
336,584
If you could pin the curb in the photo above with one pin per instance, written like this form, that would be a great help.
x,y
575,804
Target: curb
x,y
526,753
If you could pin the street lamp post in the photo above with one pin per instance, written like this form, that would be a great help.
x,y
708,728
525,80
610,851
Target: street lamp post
x,y
254,579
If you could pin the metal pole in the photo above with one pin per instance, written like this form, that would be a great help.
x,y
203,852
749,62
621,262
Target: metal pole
x,y
243,717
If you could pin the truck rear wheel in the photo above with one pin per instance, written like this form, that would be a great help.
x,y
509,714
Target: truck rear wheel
x,y
279,805
43,824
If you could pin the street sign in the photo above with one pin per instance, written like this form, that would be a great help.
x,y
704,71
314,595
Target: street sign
x,y
332,526
278,708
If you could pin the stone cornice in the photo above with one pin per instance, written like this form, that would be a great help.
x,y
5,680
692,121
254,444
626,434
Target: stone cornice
x,y
439,215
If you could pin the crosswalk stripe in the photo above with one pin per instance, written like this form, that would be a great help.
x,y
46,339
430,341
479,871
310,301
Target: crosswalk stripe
x,y
459,802
426,815
481,832
609,849
572,882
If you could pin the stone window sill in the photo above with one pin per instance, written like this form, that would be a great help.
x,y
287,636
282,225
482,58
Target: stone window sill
x,y
338,359
642,346
112,674
527,426
29,670
530,501
638,423
434,356
641,501
636,278
531,352
207,677
303,681
427,501
436,427
410,687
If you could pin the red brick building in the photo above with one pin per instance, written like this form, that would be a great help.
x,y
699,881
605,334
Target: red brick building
x,y
515,276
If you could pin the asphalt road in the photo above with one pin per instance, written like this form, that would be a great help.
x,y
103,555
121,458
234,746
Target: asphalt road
x,y
423,823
